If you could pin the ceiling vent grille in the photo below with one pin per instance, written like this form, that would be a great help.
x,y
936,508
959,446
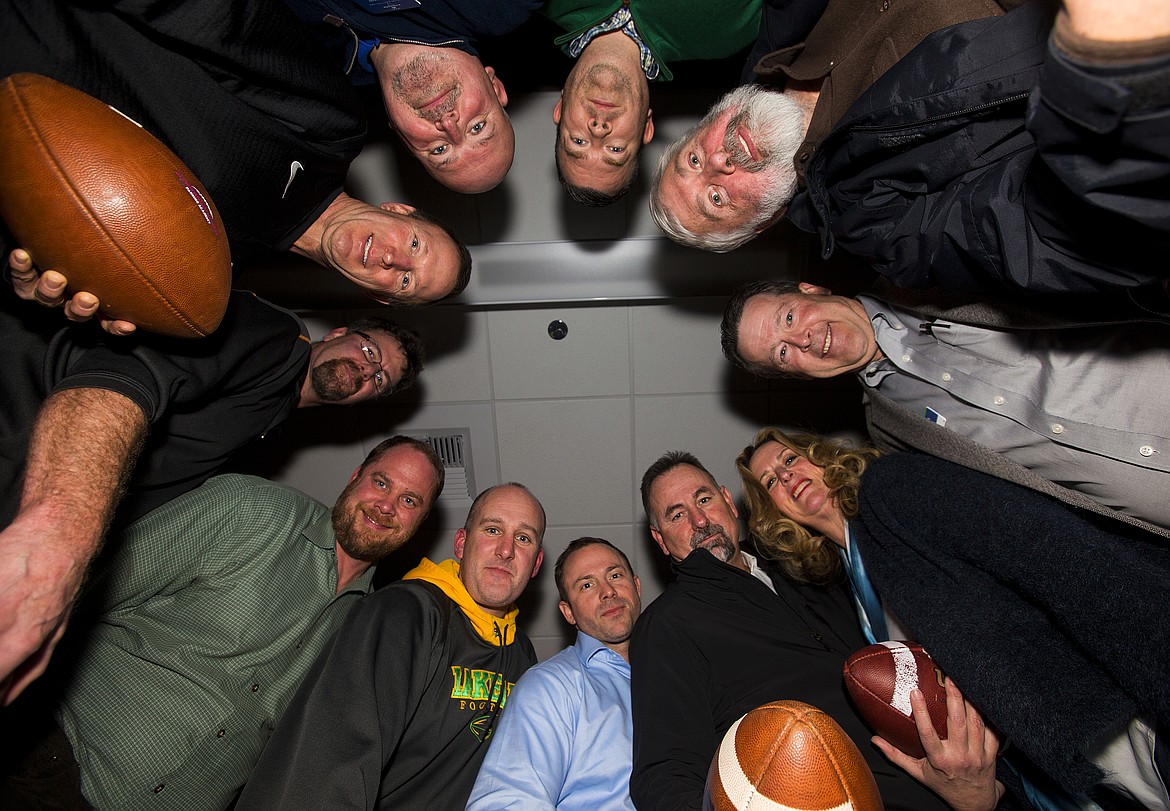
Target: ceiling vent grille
x,y
454,448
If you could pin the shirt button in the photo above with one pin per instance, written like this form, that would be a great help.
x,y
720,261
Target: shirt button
x,y
255,687
999,401
905,359
1146,450
803,157
1057,428
158,789
221,733
946,377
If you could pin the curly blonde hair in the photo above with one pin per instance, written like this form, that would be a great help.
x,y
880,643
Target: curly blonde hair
x,y
803,556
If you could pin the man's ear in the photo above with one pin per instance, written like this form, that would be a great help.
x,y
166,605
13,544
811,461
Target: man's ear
x,y
497,86
567,613
648,132
397,208
730,501
539,560
814,289
638,585
460,540
657,536
557,109
355,474
335,333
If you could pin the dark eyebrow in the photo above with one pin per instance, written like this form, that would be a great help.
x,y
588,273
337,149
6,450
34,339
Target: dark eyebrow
x,y
613,567
607,158
370,340
377,471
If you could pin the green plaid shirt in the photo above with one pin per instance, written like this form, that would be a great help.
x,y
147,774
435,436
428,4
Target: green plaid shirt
x,y
196,630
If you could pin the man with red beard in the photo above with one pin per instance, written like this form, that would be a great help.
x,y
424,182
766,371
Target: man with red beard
x,y
196,631
398,709
189,405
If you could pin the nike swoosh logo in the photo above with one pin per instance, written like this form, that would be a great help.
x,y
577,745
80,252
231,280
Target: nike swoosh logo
x,y
293,168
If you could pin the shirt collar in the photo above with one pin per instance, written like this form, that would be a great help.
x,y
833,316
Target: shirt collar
x,y
320,534
620,20
590,649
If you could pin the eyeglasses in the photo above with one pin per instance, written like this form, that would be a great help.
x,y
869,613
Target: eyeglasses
x,y
374,355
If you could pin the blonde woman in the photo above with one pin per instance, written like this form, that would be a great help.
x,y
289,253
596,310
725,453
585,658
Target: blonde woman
x,y
1054,625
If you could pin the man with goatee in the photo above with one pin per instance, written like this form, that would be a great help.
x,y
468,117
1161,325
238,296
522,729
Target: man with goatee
x,y
194,634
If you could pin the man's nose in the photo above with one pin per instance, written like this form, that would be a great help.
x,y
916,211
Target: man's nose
x,y
698,518
402,260
720,161
598,127
387,504
506,548
449,124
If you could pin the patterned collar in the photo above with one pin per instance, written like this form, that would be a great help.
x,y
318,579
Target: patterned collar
x,y
620,20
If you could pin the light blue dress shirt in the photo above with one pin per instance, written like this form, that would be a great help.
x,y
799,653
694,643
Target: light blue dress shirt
x,y
565,740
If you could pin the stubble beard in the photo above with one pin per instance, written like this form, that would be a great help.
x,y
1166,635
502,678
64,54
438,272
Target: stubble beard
x,y
420,80
605,80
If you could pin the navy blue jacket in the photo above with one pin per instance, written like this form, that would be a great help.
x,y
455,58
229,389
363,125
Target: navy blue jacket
x,y
986,159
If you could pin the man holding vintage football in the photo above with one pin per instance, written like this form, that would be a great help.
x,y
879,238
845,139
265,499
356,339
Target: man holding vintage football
x,y
271,143
266,125
732,633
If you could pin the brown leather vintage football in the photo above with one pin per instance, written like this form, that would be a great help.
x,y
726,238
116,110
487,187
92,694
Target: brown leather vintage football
x,y
91,194
880,678
789,755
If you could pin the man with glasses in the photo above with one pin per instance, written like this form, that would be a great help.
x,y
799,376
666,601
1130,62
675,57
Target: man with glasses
x,y
188,405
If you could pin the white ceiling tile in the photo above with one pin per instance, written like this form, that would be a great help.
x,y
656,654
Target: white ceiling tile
x,y
676,347
593,359
574,454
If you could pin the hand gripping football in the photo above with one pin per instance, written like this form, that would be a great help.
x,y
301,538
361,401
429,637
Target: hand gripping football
x,y
89,193
880,678
788,756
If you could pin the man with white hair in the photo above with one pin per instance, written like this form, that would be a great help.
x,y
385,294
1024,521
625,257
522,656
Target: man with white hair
x,y
710,196
991,156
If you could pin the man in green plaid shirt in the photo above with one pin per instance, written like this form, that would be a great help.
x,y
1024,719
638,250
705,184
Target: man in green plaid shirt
x,y
196,631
